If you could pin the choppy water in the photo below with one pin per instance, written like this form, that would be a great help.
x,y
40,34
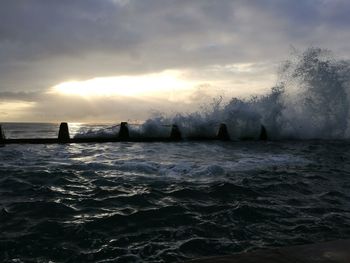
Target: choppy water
x,y
167,202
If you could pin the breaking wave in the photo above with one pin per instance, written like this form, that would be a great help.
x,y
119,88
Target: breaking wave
x,y
309,101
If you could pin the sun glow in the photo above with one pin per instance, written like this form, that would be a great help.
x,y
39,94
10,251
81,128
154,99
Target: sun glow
x,y
166,83
14,110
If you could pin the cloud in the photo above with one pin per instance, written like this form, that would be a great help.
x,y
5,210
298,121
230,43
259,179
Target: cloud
x,y
57,106
46,42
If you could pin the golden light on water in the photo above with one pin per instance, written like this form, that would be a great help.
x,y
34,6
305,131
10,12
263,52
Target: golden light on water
x,y
166,83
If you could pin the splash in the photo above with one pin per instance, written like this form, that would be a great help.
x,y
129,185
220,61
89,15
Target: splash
x,y
309,101
316,96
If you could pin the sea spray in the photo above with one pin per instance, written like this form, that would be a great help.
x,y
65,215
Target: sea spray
x,y
315,98
309,101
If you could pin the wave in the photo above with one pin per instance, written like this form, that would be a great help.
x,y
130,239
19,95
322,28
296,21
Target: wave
x,y
309,101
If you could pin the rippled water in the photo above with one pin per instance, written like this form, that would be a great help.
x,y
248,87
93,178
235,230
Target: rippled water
x,y
168,202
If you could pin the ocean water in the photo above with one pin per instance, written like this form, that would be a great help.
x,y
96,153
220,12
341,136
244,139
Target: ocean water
x,y
167,202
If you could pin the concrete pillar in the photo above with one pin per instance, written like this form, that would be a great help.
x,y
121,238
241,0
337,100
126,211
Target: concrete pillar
x,y
263,133
2,136
223,133
175,133
63,133
123,131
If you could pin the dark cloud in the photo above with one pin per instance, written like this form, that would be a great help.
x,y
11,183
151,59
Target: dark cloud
x,y
19,95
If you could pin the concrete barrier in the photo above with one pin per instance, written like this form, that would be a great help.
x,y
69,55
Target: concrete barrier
x,y
223,133
123,131
263,133
2,136
123,135
175,133
63,133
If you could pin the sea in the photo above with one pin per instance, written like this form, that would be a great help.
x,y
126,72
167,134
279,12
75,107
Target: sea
x,y
167,202
177,201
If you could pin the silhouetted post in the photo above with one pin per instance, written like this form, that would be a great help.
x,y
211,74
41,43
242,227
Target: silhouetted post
x,y
223,133
2,136
63,133
263,133
124,131
175,133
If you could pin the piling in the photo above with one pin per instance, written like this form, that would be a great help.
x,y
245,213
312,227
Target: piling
x,y
124,131
63,133
2,136
263,133
223,133
175,134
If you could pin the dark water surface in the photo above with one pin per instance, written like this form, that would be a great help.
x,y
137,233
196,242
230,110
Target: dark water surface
x,y
168,202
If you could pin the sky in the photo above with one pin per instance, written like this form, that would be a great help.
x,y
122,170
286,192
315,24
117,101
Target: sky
x,y
114,60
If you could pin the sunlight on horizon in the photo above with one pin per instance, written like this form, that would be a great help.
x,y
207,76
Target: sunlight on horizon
x,y
167,83
14,109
